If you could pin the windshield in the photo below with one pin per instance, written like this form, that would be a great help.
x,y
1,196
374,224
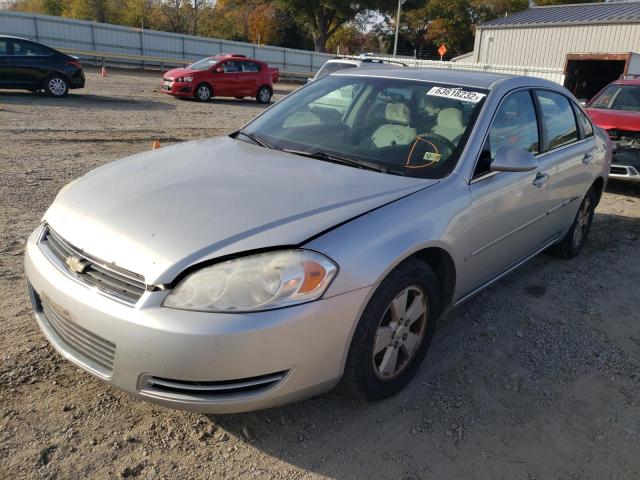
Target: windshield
x,y
203,64
618,97
402,126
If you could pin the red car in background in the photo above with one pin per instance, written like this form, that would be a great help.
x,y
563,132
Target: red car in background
x,y
225,75
617,109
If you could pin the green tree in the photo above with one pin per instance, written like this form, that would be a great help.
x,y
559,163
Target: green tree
x,y
322,18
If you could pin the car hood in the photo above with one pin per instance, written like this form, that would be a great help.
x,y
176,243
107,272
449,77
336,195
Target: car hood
x,y
618,119
159,212
179,72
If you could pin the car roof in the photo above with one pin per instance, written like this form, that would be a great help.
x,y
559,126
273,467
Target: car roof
x,y
15,38
468,78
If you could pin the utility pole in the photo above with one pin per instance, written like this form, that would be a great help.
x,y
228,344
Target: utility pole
x,y
395,42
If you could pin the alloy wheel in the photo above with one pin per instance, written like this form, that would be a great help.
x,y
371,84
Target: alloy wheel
x,y
400,333
57,86
582,222
203,93
264,95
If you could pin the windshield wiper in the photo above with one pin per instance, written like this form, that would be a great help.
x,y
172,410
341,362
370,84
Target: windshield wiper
x,y
257,139
343,160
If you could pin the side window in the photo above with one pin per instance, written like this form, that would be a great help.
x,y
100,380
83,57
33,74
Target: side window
x,y
29,49
558,118
587,128
514,124
251,67
231,67
4,47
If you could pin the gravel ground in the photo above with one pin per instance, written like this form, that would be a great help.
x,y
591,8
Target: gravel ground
x,y
536,378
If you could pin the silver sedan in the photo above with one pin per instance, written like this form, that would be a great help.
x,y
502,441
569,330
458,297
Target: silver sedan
x,y
317,245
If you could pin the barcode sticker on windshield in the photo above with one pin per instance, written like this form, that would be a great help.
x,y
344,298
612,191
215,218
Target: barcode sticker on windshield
x,y
456,93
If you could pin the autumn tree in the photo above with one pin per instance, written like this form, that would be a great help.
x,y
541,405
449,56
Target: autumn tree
x,y
323,18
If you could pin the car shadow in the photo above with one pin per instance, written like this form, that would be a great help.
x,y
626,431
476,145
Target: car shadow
x,y
485,376
77,99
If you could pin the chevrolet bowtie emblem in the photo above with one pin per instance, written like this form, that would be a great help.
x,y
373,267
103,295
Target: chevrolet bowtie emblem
x,y
76,264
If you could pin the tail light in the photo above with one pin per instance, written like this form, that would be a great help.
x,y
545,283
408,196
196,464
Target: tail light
x,y
75,63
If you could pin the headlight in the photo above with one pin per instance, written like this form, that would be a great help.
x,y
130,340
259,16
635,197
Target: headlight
x,y
184,79
256,282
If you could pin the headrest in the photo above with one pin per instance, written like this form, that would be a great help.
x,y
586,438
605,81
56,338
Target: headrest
x,y
450,118
397,113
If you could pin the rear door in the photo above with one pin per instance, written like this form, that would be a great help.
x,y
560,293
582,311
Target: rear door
x,y
567,157
508,209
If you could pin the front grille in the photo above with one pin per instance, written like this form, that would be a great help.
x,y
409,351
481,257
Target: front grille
x,y
87,347
206,390
108,279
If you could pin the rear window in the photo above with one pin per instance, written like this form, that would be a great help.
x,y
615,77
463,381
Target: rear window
x,y
558,119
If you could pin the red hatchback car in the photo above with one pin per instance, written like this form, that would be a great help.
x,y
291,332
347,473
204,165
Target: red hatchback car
x,y
617,109
225,75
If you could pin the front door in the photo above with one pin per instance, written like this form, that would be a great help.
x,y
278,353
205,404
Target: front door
x,y
508,209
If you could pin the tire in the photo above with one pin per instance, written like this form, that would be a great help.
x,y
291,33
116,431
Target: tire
x,y
56,86
573,242
263,95
203,92
364,375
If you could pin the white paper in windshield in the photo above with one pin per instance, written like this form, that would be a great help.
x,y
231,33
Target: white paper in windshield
x,y
456,93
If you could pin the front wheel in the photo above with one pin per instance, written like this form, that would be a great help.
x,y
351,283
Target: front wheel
x,y
263,95
394,333
56,86
576,237
203,93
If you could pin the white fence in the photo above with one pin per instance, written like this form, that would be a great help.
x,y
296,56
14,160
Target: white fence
x,y
60,32
553,74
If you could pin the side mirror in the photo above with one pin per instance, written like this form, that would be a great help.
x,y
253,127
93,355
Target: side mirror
x,y
583,102
219,70
513,159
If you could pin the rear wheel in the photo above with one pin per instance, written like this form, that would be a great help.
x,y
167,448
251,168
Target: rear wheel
x,y
263,95
56,86
576,237
203,93
394,333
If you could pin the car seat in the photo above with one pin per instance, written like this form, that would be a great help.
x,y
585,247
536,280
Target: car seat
x,y
397,131
449,124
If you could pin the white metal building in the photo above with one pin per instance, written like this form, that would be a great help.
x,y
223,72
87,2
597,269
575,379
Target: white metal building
x,y
543,36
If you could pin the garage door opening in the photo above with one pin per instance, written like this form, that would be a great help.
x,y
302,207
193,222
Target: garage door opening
x,y
585,77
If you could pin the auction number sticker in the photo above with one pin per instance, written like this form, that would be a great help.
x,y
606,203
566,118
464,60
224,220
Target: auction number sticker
x,y
456,93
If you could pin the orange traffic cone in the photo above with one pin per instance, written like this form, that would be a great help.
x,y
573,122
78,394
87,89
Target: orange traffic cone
x,y
156,145
104,71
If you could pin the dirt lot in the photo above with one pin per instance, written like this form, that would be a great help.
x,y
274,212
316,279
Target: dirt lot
x,y
536,378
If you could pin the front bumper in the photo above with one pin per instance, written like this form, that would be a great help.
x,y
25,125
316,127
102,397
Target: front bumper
x,y
178,89
204,362
624,172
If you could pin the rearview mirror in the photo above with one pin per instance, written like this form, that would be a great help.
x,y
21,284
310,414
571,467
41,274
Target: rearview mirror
x,y
513,159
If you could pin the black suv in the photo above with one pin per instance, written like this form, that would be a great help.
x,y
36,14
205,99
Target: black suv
x,y
32,66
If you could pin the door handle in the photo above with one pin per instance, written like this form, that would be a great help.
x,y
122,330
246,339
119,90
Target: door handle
x,y
587,158
540,179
